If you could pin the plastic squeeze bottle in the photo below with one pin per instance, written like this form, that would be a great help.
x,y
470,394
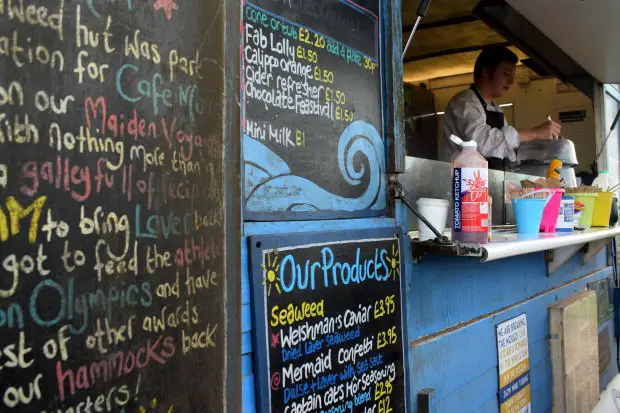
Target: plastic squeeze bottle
x,y
470,194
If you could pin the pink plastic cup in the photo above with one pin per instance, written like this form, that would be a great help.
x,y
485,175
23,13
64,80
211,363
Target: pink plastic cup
x,y
552,209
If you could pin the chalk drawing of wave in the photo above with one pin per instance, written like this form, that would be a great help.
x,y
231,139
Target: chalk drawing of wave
x,y
270,185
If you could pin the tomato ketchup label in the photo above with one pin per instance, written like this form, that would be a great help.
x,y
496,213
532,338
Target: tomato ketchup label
x,y
470,191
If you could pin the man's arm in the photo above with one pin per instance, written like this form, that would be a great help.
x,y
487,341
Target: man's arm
x,y
470,118
547,130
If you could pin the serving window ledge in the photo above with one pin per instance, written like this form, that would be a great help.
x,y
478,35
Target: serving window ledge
x,y
508,243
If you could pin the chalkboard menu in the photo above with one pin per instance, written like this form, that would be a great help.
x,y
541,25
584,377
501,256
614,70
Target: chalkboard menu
x,y
112,291
311,122
329,325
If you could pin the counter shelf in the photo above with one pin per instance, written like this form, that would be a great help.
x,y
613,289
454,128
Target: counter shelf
x,y
506,242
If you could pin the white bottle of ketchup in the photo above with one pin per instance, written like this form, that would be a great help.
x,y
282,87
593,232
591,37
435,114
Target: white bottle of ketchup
x,y
470,194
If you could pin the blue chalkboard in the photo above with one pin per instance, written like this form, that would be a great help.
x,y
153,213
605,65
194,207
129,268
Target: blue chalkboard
x,y
311,110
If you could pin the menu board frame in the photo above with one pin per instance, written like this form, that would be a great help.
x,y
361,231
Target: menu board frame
x,y
274,186
258,244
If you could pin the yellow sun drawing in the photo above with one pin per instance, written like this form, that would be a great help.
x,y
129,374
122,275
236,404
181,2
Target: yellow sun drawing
x,y
394,262
270,269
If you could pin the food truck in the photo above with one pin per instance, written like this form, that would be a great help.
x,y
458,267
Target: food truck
x,y
481,325
213,207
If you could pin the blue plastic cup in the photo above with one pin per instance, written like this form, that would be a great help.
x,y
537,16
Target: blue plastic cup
x,y
529,212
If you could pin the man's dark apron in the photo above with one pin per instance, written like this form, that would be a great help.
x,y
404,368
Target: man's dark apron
x,y
494,120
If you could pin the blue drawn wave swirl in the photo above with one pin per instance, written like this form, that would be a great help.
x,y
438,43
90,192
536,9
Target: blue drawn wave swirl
x,y
270,185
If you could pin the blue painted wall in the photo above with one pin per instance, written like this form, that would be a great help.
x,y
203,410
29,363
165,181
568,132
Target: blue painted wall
x,y
451,290
454,306
459,300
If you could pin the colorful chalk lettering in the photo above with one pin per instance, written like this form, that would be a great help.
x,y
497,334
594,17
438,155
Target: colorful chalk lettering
x,y
111,207
310,86
330,324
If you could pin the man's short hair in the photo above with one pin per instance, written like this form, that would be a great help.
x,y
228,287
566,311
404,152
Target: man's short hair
x,y
491,57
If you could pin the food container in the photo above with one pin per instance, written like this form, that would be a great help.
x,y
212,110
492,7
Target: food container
x,y
565,222
436,212
602,209
550,214
588,199
529,211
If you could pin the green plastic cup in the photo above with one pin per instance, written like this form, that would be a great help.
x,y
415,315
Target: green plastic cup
x,y
588,200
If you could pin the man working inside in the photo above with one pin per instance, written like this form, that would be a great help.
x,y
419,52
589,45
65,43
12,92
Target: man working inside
x,y
473,115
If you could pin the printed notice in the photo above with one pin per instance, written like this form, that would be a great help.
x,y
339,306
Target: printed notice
x,y
334,338
514,366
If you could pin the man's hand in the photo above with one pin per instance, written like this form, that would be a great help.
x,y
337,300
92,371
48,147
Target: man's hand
x,y
547,130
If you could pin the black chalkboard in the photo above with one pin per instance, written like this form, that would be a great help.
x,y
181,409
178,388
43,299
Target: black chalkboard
x,y
112,283
312,128
329,324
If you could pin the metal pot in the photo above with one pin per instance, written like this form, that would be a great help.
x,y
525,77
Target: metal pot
x,y
544,150
533,158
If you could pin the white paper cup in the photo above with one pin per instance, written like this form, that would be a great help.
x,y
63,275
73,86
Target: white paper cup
x,y
436,212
